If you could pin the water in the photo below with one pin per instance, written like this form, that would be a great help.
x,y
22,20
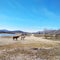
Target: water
x,y
7,34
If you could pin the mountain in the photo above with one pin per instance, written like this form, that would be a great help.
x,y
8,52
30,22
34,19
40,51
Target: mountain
x,y
8,31
17,31
39,32
57,31
49,32
3,31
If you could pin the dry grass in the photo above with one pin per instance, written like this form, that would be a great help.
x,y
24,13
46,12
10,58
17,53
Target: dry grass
x,y
36,44
17,49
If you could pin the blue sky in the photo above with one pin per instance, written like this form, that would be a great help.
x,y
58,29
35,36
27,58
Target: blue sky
x,y
29,15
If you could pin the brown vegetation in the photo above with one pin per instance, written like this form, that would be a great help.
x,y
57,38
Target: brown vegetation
x,y
28,50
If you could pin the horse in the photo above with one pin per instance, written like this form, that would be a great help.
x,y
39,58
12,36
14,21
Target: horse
x,y
15,37
22,36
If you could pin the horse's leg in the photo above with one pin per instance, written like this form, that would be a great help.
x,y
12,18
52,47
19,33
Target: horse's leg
x,y
21,38
16,38
13,38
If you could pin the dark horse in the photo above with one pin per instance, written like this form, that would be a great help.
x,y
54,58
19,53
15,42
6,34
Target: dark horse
x,y
15,37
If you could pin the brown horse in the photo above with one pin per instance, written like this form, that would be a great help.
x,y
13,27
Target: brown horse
x,y
15,37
